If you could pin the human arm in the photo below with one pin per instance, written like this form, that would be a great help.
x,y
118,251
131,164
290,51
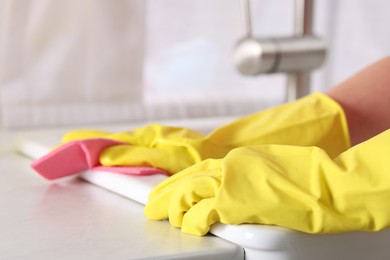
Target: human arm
x,y
365,98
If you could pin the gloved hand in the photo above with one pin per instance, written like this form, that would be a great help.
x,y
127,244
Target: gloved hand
x,y
169,148
77,156
314,120
300,188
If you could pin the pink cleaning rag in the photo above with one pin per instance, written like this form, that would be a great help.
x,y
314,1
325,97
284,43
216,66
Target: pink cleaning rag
x,y
77,156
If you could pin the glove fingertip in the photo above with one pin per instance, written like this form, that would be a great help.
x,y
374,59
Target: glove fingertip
x,y
195,230
198,220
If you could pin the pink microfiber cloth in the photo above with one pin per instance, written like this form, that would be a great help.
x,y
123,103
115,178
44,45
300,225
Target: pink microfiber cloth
x,y
77,156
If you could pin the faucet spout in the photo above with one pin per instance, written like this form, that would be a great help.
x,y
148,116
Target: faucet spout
x,y
294,55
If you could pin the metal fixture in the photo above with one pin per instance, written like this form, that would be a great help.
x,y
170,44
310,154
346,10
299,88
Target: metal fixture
x,y
295,55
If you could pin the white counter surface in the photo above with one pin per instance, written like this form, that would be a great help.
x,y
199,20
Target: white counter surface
x,y
72,219
75,220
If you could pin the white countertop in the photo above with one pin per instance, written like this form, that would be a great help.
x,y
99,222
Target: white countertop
x,y
72,219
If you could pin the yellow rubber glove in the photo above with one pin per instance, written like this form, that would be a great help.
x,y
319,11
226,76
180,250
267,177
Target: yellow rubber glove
x,y
313,120
300,188
169,148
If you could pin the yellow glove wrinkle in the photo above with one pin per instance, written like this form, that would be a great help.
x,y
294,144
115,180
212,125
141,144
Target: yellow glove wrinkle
x,y
158,157
198,219
164,190
200,187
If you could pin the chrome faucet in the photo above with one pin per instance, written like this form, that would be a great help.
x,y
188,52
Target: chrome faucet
x,y
295,55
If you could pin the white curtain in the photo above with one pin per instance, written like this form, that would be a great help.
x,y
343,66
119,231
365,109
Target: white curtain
x,y
69,61
98,61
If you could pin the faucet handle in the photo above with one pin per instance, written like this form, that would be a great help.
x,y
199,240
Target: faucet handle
x,y
282,54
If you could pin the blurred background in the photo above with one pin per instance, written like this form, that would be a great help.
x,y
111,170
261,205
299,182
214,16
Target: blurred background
x,y
72,62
